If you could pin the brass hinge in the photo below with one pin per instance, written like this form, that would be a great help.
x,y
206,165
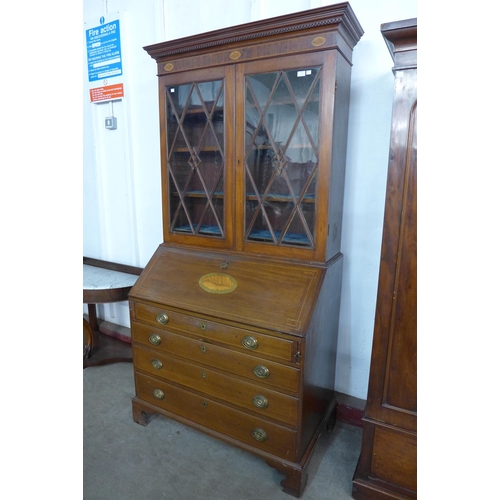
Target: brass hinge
x,y
297,356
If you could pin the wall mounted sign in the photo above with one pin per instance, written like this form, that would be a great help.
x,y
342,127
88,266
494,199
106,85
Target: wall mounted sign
x,y
104,59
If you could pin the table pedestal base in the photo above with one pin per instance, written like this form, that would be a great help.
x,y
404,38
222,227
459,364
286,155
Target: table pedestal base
x,y
107,350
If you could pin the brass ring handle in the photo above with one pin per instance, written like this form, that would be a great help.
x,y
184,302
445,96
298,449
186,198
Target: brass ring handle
x,y
158,394
155,339
260,402
203,348
203,326
250,342
157,364
261,371
162,318
259,434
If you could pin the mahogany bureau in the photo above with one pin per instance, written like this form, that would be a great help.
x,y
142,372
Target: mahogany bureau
x,y
234,319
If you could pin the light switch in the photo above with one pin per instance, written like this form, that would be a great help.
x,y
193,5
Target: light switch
x,y
110,123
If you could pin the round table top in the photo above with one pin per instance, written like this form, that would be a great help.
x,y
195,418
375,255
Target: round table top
x,y
99,278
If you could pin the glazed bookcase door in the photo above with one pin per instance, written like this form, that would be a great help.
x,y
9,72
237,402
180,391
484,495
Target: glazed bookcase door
x,y
195,155
281,157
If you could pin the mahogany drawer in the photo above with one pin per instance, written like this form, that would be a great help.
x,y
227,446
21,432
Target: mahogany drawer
x,y
253,397
245,340
258,370
248,429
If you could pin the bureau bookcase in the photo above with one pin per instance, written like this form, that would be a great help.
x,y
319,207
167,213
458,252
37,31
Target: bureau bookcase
x,y
235,317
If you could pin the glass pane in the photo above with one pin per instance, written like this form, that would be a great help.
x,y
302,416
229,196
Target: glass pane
x,y
281,156
195,157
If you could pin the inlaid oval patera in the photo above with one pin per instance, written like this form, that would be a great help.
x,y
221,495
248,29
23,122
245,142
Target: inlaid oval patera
x,y
217,283
319,41
235,55
168,67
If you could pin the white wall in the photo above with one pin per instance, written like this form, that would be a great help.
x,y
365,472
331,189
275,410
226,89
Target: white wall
x,y
122,199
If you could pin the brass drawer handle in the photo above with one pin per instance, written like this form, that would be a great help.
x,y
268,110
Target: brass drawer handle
x,y
261,371
157,364
260,402
250,342
259,434
158,394
203,326
162,318
204,404
203,348
155,339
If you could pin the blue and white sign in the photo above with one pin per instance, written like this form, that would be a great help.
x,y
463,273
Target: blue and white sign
x,y
104,55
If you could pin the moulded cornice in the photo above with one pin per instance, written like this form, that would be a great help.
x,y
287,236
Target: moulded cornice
x,y
334,16
401,40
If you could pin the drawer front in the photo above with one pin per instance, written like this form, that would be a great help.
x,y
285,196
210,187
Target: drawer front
x,y
245,340
248,429
256,398
200,351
